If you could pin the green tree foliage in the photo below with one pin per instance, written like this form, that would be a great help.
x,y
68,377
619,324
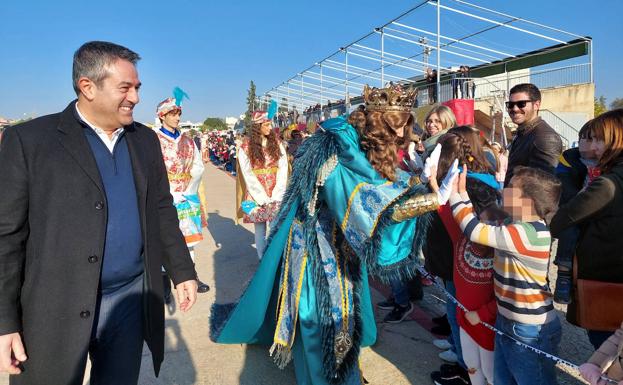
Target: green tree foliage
x,y
251,104
600,105
211,124
616,103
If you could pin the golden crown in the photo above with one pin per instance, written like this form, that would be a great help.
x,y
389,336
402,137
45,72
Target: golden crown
x,y
392,98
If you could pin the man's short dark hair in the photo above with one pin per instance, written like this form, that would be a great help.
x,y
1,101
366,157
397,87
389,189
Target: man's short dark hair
x,y
533,91
92,59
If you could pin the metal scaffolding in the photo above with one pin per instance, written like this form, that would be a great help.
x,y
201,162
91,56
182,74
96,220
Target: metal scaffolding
x,y
430,35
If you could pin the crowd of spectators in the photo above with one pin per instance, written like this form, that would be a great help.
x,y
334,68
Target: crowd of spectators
x,y
500,227
497,262
219,147
318,113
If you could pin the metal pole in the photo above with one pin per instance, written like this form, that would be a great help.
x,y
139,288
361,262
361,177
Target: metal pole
x,y
438,50
347,101
492,112
591,50
320,86
382,57
508,83
302,82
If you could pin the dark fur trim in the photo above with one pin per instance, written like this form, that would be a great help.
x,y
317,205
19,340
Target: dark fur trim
x,y
301,186
311,155
334,374
219,314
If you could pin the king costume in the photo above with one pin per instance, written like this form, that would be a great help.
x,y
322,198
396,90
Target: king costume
x,y
340,221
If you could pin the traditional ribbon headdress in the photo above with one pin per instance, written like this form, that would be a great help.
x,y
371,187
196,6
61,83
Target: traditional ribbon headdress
x,y
260,117
170,104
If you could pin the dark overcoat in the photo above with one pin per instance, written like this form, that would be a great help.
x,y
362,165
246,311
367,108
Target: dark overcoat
x,y
52,234
598,211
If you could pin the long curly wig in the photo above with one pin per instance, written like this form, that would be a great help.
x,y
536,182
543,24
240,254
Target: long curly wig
x,y
256,153
379,140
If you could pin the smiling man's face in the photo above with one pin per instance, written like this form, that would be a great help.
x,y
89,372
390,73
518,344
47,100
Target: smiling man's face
x,y
115,97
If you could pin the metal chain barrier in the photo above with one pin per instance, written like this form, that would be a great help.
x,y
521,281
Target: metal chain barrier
x,y
552,357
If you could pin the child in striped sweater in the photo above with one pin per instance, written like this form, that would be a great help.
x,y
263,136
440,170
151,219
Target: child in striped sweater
x,y
521,258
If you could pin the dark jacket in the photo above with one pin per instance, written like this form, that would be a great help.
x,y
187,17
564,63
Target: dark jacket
x,y
52,233
438,250
599,209
536,145
572,173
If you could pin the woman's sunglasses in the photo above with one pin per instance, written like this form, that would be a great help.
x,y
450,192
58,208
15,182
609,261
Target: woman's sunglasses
x,y
519,104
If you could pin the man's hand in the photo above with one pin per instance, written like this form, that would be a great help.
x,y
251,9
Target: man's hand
x,y
186,294
12,353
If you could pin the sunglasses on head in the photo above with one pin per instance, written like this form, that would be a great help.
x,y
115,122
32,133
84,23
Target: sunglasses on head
x,y
519,104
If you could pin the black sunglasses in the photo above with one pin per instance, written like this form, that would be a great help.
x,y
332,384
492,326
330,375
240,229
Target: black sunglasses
x,y
519,104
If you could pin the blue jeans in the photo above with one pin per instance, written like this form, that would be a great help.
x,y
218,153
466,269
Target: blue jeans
x,y
516,365
566,247
400,292
455,337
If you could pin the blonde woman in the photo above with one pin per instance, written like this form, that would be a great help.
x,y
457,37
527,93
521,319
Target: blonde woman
x,y
436,123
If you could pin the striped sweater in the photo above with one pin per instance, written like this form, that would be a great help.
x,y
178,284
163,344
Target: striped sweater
x,y
522,251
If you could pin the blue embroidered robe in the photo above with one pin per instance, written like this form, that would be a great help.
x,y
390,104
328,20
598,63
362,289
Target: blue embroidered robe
x,y
311,288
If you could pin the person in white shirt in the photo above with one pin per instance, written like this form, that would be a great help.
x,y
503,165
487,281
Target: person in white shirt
x,y
262,177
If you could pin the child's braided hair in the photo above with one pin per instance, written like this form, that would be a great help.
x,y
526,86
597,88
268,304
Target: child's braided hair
x,y
462,143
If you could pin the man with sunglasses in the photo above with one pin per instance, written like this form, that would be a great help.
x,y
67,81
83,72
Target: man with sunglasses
x,y
536,144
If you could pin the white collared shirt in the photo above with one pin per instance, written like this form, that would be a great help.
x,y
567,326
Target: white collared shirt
x,y
108,141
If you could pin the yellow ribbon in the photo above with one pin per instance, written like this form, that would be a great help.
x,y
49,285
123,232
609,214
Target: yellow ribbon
x,y
262,171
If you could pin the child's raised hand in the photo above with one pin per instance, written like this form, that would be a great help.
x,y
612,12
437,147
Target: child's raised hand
x,y
472,317
463,179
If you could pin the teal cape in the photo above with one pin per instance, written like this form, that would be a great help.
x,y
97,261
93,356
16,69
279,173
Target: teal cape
x,y
334,228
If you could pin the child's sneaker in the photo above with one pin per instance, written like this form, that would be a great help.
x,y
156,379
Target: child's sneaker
x,y
449,356
398,314
455,376
442,344
562,293
388,304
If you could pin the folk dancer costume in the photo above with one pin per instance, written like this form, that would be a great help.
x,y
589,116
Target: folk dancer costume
x,y
261,186
339,221
185,169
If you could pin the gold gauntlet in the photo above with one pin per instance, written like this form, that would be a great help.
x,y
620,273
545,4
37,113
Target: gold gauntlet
x,y
415,179
415,206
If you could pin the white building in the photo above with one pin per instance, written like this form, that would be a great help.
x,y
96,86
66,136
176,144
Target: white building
x,y
231,122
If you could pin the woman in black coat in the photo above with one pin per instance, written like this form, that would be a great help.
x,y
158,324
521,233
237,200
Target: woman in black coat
x,y
599,211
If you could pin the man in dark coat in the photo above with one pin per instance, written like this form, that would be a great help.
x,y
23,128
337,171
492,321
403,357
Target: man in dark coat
x,y
86,222
536,143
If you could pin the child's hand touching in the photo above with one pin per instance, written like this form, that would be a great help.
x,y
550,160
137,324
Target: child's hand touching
x,y
458,184
472,317
463,180
592,374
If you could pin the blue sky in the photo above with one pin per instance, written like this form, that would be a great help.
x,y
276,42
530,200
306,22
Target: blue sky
x,y
212,49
